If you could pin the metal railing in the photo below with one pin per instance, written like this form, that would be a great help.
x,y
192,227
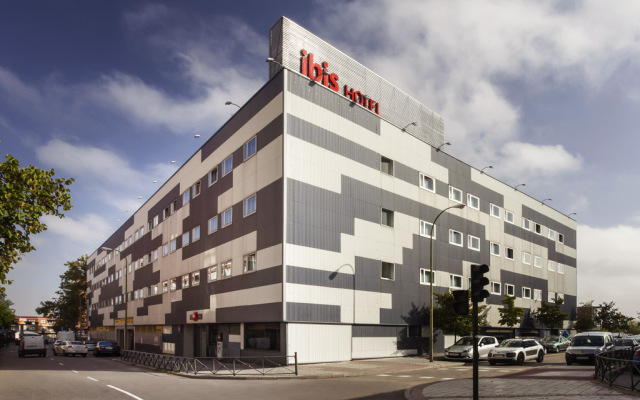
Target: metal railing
x,y
256,365
617,368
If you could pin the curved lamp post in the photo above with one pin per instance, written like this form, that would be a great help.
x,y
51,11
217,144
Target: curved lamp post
x,y
432,277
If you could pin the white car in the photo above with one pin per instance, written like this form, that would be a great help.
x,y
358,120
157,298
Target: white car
x,y
72,347
517,351
463,348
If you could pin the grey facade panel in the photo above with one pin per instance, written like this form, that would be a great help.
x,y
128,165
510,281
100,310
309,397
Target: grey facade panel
x,y
306,312
268,312
570,238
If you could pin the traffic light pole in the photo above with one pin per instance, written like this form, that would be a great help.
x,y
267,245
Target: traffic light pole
x,y
478,293
476,356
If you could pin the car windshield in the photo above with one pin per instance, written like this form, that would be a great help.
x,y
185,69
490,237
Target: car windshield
x,y
465,341
104,343
511,343
587,341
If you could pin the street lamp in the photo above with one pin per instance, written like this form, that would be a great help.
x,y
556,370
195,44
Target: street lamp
x,y
126,296
432,276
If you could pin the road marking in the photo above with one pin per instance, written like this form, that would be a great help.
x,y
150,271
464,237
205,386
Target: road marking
x,y
74,371
447,379
384,375
60,364
93,379
125,392
404,376
426,377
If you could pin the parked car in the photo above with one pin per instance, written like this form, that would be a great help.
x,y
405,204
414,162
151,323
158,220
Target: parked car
x,y
556,344
584,346
56,347
636,362
627,343
538,339
91,344
73,347
463,348
106,348
517,351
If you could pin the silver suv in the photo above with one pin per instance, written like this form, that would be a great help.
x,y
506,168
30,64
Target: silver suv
x,y
584,346
463,348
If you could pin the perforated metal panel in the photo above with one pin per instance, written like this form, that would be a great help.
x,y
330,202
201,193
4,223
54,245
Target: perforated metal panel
x,y
287,39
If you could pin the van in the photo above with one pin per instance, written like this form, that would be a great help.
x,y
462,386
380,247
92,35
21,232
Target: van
x,y
584,346
32,343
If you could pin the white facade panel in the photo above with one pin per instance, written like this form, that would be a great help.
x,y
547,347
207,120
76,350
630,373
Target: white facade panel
x,y
316,343
378,347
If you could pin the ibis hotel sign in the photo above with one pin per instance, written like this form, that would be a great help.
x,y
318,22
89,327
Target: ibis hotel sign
x,y
319,72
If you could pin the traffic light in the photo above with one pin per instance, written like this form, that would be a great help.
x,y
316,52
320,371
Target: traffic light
x,y
478,282
461,301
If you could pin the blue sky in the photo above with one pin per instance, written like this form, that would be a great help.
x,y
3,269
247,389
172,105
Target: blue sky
x,y
111,92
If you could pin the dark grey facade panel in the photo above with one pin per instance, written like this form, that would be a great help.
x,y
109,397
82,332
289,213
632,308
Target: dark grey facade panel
x,y
364,331
306,312
319,95
540,240
570,238
269,312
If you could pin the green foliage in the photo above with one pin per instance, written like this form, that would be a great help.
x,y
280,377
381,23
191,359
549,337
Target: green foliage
x,y
584,319
610,319
550,315
26,194
71,302
446,319
7,314
510,315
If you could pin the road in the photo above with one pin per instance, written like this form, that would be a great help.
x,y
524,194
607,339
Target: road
x,y
58,377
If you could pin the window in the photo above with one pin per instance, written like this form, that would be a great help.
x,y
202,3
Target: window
x,y
455,194
551,266
427,229
135,236
249,262
185,239
386,217
227,216
526,224
386,165
508,216
213,224
249,148
213,176
196,189
195,279
172,284
537,261
150,225
155,254
173,245
455,237
526,293
388,271
455,281
560,268
156,220
185,281
495,287
509,289
552,234
165,249
473,242
473,201
186,196
213,273
508,253
538,228
226,268
195,233
174,206
551,297
425,276
166,213
526,258
495,211
560,238
249,205
494,249
427,183
537,294
227,165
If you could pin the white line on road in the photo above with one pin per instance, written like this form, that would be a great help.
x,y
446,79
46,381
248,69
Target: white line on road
x,y
384,375
93,379
125,392
404,376
426,377
74,371
60,364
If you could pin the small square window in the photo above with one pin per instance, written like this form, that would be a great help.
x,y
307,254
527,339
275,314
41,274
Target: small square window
x,y
196,189
496,211
195,278
509,290
537,261
386,165
494,248
213,176
226,269
526,293
174,206
455,237
455,281
172,284
185,281
195,233
526,258
386,217
552,234
538,228
427,229
495,287
425,277
213,224
173,245
509,217
473,242
185,239
166,213
560,238
473,201
155,254
455,194
526,224
537,294
551,297
427,183
388,271
227,165
508,253
249,262
249,148
213,273
165,249
551,265
227,217
249,205
186,196
560,268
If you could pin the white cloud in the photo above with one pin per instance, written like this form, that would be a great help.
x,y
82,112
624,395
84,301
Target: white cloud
x,y
84,230
530,162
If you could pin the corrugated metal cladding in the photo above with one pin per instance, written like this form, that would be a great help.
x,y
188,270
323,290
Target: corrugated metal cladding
x,y
287,39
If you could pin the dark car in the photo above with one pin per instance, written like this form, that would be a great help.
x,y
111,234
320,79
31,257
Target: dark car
x,y
106,348
628,344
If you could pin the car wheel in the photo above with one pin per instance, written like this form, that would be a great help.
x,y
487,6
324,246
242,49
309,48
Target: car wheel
x,y
492,362
569,361
540,356
84,355
520,359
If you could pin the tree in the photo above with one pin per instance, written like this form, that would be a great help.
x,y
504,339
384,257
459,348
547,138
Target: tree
x,y
510,315
7,314
610,319
584,319
446,319
26,194
550,315
70,305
